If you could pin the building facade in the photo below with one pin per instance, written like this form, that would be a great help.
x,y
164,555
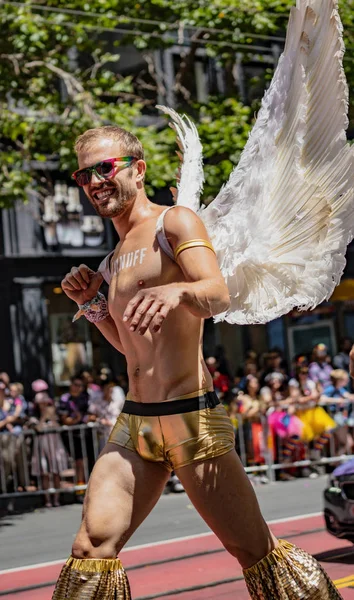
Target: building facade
x,y
39,245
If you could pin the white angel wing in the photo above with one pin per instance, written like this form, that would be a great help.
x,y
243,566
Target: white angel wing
x,y
282,223
191,177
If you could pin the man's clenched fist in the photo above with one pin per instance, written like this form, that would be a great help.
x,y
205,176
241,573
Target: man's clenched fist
x,y
81,284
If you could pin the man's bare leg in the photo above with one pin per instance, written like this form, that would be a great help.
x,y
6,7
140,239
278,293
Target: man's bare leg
x,y
223,495
221,492
122,490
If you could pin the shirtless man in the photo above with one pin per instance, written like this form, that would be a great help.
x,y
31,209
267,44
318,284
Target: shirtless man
x,y
164,280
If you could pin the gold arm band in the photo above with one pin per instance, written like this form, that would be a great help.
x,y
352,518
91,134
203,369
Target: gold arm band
x,y
193,244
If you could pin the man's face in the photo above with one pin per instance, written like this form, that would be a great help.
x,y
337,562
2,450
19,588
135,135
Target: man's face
x,y
109,197
76,387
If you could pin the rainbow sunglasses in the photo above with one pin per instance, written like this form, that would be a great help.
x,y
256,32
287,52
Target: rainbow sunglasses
x,y
105,169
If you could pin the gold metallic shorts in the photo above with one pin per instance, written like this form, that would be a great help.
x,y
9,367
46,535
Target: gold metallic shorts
x,y
176,440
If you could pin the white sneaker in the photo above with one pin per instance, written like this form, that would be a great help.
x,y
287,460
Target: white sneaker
x,y
176,485
264,479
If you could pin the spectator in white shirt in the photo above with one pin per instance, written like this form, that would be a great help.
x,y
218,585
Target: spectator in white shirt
x,y
106,405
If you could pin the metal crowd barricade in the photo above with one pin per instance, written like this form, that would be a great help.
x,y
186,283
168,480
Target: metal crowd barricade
x,y
270,451
17,450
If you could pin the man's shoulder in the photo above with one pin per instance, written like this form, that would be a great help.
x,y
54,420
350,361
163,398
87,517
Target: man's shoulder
x,y
180,217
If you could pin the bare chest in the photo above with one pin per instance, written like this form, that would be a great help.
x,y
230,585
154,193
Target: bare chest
x,y
139,263
135,267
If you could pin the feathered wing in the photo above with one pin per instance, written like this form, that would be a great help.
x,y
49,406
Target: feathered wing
x,y
281,224
191,175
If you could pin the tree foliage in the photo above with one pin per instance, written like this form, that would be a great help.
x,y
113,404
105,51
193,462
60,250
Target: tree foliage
x,y
60,74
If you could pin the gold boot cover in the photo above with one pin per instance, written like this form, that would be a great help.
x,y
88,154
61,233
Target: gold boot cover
x,y
289,573
85,579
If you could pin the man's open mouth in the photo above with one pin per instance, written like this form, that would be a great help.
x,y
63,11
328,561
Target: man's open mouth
x,y
103,195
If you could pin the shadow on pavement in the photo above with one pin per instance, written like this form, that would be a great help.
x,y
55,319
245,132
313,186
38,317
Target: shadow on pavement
x,y
339,555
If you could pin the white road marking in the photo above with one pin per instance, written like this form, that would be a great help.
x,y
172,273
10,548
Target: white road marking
x,y
160,543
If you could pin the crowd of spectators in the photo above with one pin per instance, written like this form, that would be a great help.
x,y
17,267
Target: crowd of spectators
x,y
288,413
280,412
41,439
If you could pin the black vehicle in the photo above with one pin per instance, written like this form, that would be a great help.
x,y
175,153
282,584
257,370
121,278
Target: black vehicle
x,y
339,502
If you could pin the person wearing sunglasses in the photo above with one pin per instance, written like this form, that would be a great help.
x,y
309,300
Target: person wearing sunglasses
x,y
104,169
164,280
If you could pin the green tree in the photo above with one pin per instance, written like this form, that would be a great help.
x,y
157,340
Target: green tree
x,y
58,77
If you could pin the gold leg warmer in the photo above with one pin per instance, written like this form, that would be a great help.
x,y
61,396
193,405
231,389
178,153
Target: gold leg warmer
x,y
85,579
289,573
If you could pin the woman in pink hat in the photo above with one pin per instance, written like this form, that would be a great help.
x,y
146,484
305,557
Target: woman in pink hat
x,y
49,457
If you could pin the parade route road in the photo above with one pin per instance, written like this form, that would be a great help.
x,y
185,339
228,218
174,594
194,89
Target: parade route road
x,y
194,567
176,566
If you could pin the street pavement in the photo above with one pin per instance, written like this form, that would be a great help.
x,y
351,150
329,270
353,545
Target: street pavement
x,y
47,534
173,556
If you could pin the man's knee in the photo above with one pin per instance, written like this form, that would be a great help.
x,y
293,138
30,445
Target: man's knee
x,y
246,557
95,545
251,551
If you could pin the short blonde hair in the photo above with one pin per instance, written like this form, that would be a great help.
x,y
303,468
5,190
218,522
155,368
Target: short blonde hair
x,y
339,374
130,143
